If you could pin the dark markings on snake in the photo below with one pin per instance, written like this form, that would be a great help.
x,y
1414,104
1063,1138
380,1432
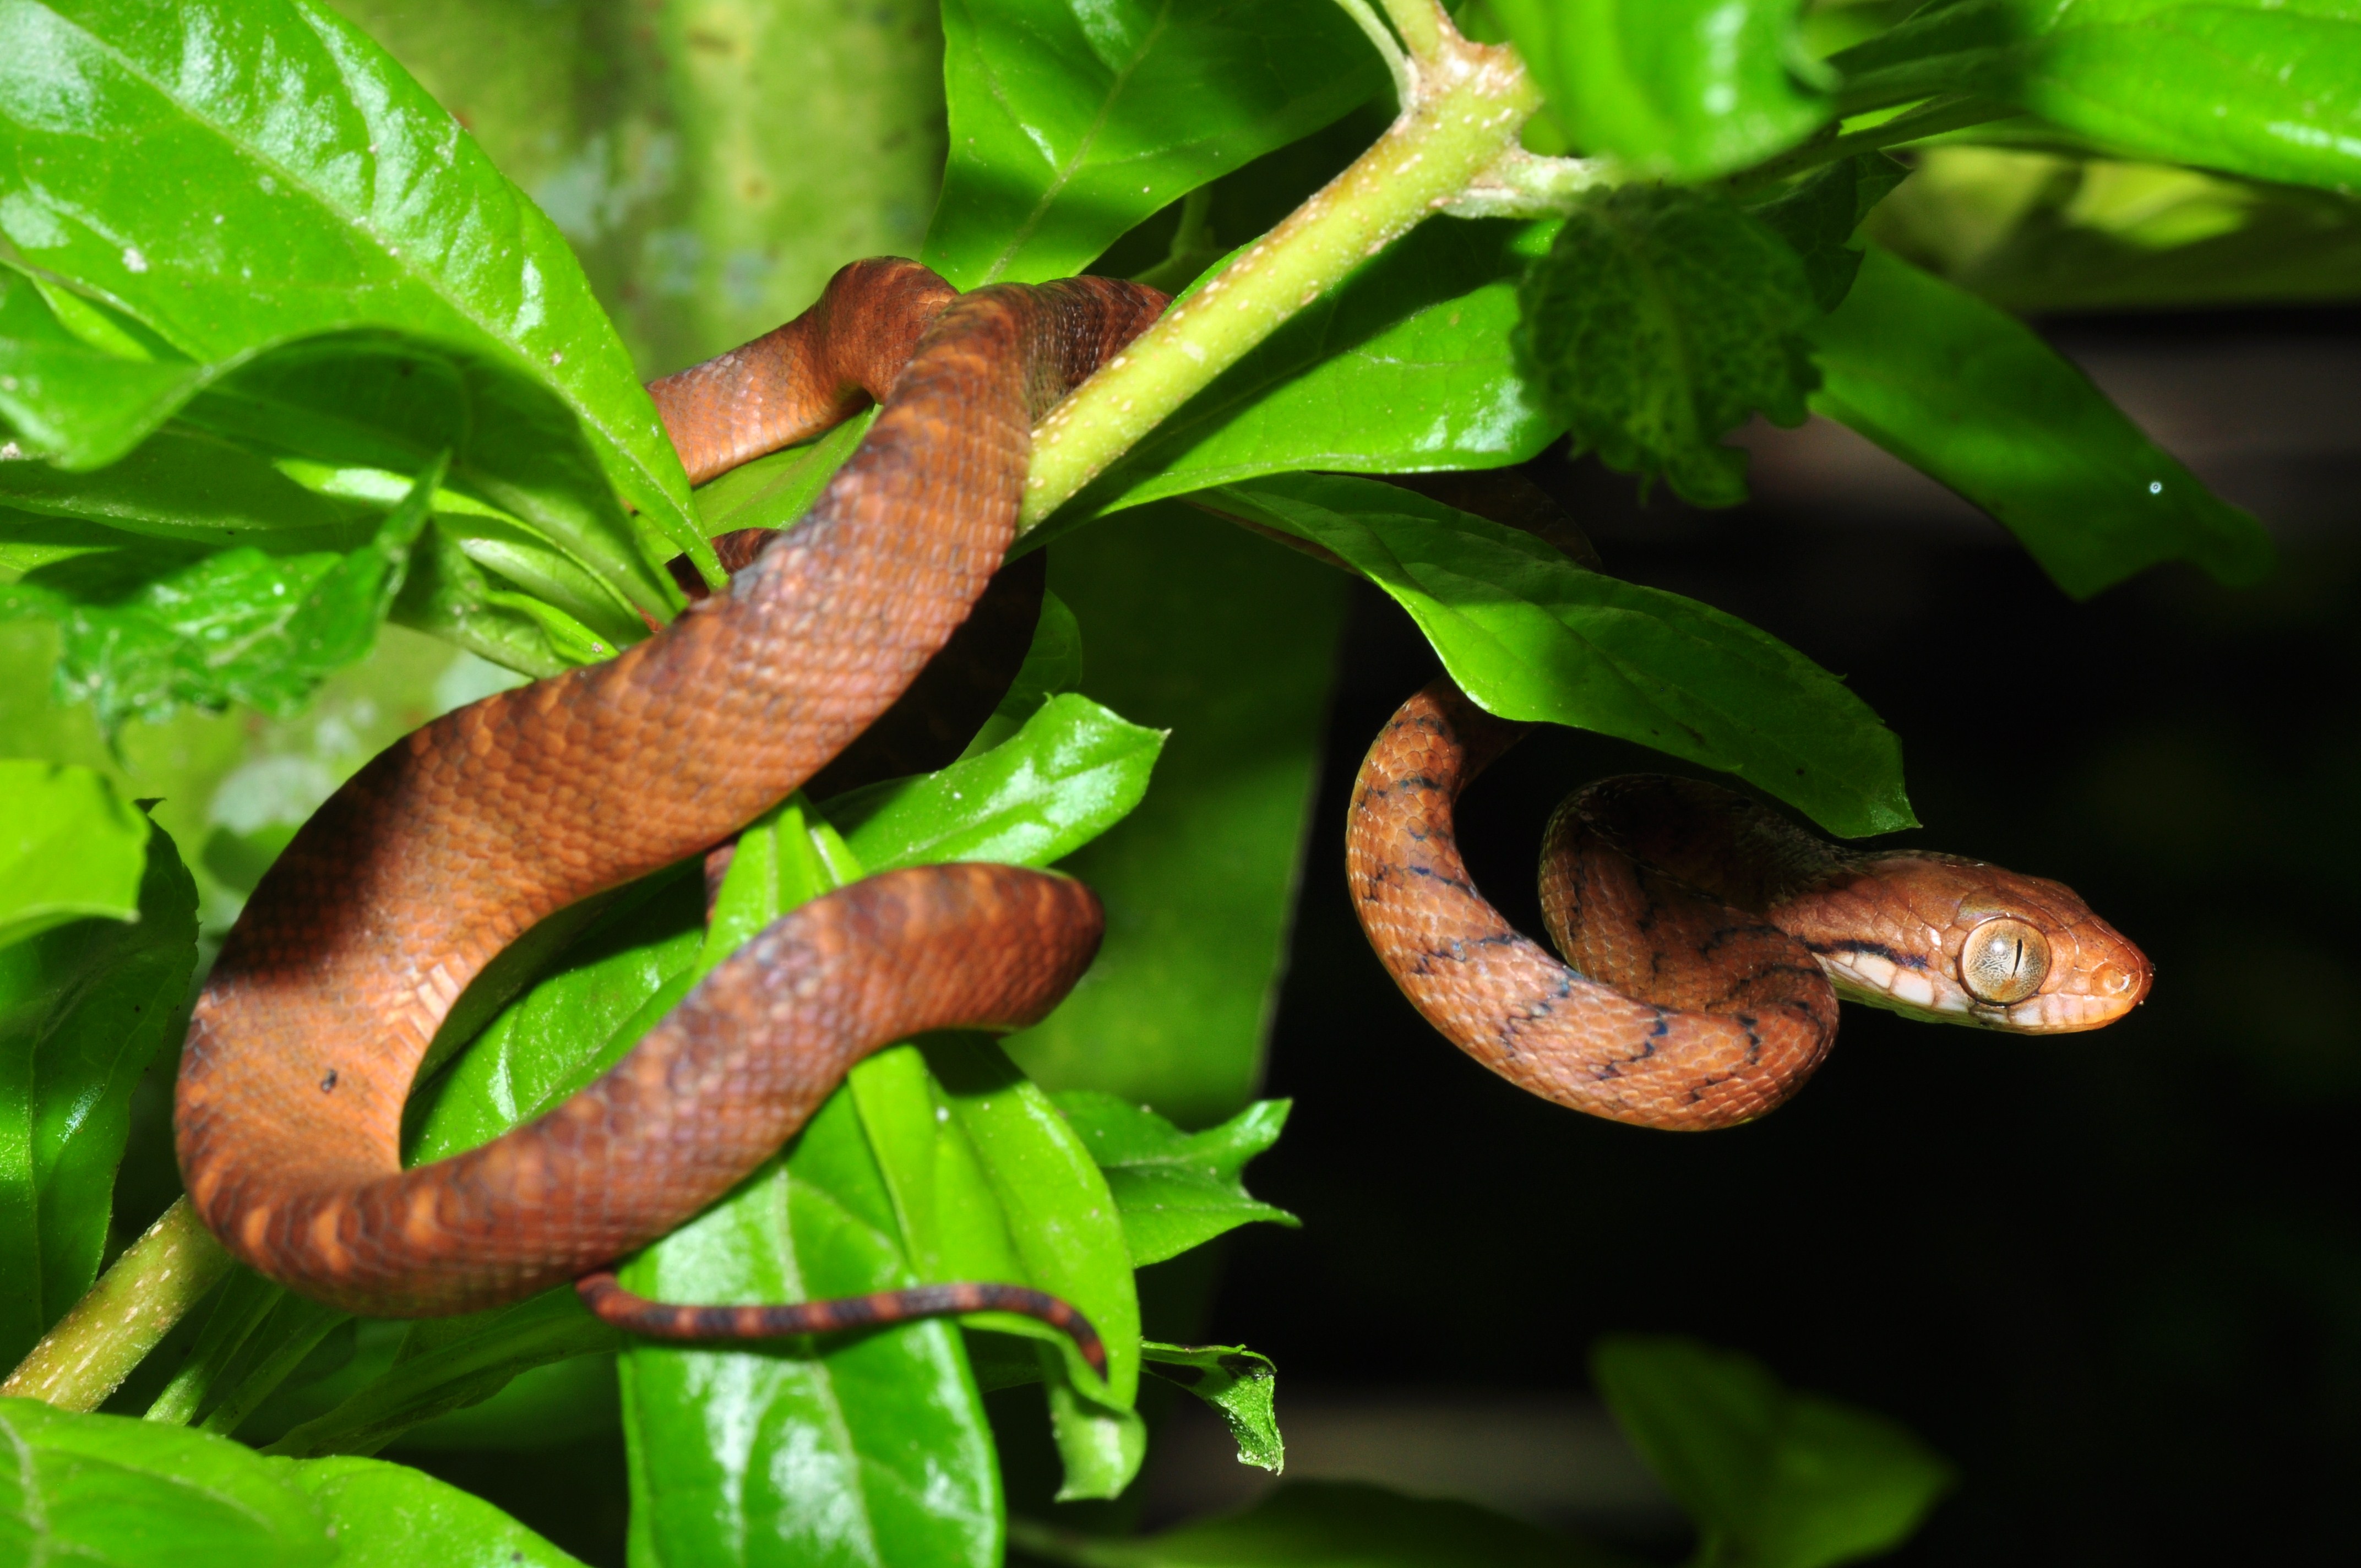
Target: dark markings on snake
x,y
1876,949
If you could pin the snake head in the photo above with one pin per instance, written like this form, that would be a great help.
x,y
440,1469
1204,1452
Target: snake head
x,y
1958,941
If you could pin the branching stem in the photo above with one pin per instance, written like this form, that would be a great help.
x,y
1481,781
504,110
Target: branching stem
x,y
1466,102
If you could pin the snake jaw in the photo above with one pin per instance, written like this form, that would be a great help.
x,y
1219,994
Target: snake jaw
x,y
1945,940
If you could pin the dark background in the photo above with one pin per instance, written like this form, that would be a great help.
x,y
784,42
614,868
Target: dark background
x,y
2116,1278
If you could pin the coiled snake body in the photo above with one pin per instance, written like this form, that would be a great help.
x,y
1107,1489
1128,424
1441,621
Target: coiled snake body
x,y
451,844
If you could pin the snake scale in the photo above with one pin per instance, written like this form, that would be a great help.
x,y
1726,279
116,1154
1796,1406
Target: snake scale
x,y
455,841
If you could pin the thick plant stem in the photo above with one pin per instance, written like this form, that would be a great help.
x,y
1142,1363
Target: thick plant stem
x,y
94,1347
1467,104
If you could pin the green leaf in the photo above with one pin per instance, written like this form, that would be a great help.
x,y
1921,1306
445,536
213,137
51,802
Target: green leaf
x,y
1072,122
2268,90
72,849
1229,644
1407,367
128,1494
69,400
1971,396
888,1427
236,626
238,176
1529,635
1072,770
1329,1524
451,1364
1661,319
1959,47
84,1008
389,1516
988,1183
1673,89
867,1449
1053,665
2036,232
195,489
2255,87
622,973
1238,1384
1069,1237
1177,1189
1772,1478
1816,216
772,491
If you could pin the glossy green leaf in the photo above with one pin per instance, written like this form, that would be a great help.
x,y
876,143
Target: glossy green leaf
x,y
2262,88
1240,1385
887,1428
571,1025
84,1008
1069,1237
775,490
107,1491
1673,89
1531,635
389,1516
1053,665
1971,396
72,848
193,487
1069,122
1816,216
1660,321
128,1494
1177,1189
235,626
2265,89
1229,642
1772,1478
69,401
1407,367
1328,1524
237,176
1072,770
869,1448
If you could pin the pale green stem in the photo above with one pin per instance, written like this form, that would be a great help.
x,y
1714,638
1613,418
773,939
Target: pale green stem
x,y
1424,25
1469,101
94,1347
1382,40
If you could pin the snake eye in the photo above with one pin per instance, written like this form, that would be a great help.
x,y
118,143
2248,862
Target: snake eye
x,y
2004,960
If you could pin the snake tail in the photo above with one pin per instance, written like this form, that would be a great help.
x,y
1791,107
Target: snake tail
x,y
670,1320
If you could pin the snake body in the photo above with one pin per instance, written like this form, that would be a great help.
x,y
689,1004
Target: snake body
x,y
456,840
1706,940
1684,1010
